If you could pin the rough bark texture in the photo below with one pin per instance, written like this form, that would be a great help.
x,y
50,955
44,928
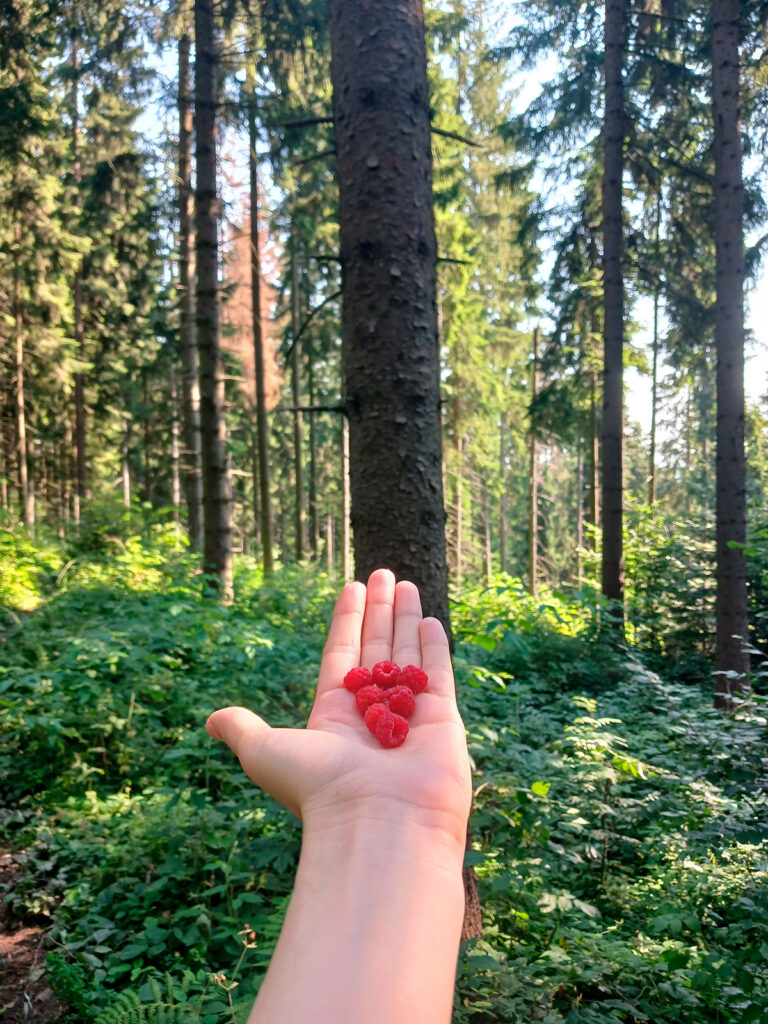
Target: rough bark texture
x,y
262,429
217,491
191,463
390,349
613,415
731,608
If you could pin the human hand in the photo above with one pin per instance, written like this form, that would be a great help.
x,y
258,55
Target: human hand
x,y
334,773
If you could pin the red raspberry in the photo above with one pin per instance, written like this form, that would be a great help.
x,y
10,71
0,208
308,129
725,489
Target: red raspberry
x,y
366,696
356,678
391,730
385,674
401,700
373,714
414,678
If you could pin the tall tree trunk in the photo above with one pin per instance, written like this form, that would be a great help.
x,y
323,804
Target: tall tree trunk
x,y
126,469
655,362
390,351
346,526
487,550
579,511
298,421
81,470
192,467
314,522
25,491
262,429
175,475
613,322
217,488
502,499
459,505
329,553
732,660
533,478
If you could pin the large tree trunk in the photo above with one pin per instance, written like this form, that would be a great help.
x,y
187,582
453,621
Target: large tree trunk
x,y
388,249
191,466
533,479
262,430
613,416
217,490
731,608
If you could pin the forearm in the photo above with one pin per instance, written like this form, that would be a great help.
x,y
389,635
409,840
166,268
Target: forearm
x,y
372,931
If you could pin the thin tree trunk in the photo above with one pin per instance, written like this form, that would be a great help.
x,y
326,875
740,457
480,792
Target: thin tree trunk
x,y
346,526
579,511
175,476
732,660
217,489
81,471
533,478
3,458
613,323
262,428
192,474
314,522
487,552
655,363
329,553
298,422
459,508
502,499
382,125
25,491
126,469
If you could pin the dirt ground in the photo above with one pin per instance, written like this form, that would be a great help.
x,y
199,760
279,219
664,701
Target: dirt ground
x,y
25,997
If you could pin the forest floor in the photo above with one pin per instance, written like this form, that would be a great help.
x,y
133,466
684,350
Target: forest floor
x,y
25,995
620,826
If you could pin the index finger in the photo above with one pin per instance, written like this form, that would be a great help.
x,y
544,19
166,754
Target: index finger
x,y
342,649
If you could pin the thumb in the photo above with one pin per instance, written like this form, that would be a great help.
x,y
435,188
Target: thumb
x,y
264,753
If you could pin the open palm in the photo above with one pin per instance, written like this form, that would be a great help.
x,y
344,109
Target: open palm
x,y
335,771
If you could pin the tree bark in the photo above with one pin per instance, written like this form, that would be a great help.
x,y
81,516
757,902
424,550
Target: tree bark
x,y
502,499
390,350
217,490
732,660
175,474
533,479
25,491
655,362
613,323
298,420
191,467
579,511
262,428
346,525
314,521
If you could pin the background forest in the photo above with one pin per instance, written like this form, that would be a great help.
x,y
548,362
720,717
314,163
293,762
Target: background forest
x,y
243,359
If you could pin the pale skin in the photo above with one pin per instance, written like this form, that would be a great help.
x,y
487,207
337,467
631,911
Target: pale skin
x,y
372,930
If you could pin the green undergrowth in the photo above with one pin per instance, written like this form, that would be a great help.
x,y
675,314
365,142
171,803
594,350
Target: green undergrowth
x,y
620,826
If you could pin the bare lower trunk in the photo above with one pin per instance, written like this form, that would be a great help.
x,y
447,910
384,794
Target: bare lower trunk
x,y
329,553
613,283
487,554
262,429
314,521
533,479
25,491
192,474
502,500
459,504
175,476
217,491
298,421
732,659
346,526
126,469
655,367
390,347
579,510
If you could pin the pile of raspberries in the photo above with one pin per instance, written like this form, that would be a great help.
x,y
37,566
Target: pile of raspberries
x,y
385,697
